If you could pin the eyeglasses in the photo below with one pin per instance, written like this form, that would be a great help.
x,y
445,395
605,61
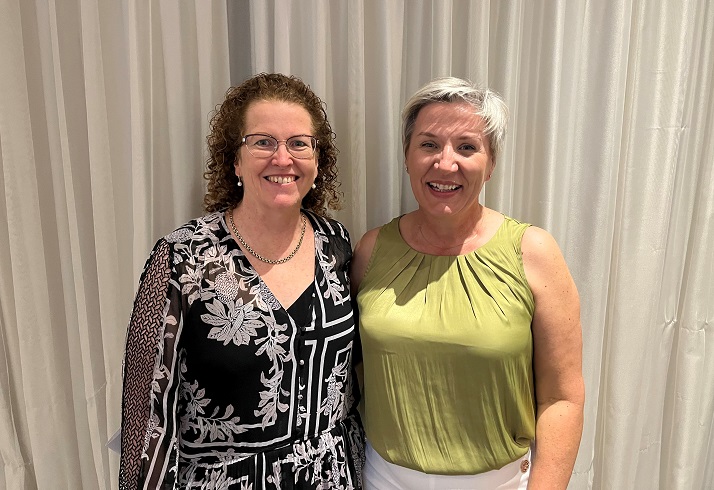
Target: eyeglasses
x,y
263,145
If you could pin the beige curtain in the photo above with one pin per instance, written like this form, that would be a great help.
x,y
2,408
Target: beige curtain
x,y
610,147
103,114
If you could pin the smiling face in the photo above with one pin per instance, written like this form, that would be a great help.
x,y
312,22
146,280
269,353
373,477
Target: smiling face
x,y
280,180
448,158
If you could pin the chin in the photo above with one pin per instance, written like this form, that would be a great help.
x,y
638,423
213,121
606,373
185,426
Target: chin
x,y
438,209
285,202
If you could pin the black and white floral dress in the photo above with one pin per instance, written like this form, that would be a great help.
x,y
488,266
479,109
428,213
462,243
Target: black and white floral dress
x,y
223,387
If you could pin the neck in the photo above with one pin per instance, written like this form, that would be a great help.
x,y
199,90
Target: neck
x,y
271,234
273,246
449,231
267,221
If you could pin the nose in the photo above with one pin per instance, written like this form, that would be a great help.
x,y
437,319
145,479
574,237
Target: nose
x,y
445,160
282,156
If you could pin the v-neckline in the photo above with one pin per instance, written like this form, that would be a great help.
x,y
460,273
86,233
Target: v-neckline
x,y
302,315
260,278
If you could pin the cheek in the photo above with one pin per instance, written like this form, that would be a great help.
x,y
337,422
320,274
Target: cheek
x,y
411,164
416,183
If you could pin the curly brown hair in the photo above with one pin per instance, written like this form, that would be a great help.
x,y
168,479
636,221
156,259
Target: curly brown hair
x,y
226,131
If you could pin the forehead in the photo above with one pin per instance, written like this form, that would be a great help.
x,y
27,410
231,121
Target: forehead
x,y
451,117
274,115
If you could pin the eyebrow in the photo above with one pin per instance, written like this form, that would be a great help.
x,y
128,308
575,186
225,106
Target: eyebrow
x,y
478,136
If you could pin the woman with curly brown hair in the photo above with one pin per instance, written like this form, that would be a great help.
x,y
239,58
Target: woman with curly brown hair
x,y
238,368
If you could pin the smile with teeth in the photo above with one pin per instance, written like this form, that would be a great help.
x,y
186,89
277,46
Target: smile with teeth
x,y
281,180
443,187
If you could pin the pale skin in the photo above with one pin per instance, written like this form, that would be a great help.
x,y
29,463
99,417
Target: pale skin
x,y
449,160
268,217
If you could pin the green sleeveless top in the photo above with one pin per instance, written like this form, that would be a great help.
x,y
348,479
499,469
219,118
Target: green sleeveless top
x,y
447,352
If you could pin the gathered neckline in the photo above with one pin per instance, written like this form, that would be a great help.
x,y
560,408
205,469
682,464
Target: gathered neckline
x,y
406,244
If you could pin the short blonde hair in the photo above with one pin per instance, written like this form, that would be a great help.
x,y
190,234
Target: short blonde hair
x,y
488,105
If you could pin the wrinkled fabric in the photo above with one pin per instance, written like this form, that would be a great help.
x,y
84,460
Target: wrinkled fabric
x,y
225,388
447,351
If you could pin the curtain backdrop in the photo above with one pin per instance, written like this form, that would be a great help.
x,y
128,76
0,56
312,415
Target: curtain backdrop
x,y
103,116
610,148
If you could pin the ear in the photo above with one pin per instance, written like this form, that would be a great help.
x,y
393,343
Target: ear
x,y
236,166
490,170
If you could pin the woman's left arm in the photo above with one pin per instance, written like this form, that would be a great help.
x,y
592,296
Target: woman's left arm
x,y
557,361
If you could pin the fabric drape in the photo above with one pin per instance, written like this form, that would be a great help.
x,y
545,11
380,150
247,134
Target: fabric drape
x,y
610,147
103,114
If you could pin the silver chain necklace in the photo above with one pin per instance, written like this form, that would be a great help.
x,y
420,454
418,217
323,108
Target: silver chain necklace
x,y
256,254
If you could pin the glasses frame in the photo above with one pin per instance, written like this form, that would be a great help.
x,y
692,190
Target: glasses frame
x,y
314,140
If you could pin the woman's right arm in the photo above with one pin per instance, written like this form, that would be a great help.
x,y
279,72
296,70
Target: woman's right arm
x,y
360,259
358,268
150,378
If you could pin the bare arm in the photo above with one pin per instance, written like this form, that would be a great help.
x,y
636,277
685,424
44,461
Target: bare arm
x,y
360,259
358,268
557,361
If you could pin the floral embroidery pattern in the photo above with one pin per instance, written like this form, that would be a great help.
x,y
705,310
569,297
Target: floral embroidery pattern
x,y
237,384
236,323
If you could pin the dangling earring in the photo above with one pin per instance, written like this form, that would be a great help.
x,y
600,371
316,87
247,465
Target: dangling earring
x,y
240,182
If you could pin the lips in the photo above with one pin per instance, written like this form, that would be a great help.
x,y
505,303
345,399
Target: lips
x,y
276,179
443,187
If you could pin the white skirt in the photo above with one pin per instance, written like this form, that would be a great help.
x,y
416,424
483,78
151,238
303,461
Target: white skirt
x,y
379,474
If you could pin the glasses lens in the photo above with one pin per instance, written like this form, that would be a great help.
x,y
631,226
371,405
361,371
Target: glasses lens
x,y
261,145
301,146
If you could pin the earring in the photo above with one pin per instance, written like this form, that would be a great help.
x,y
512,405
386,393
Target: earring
x,y
240,182
314,186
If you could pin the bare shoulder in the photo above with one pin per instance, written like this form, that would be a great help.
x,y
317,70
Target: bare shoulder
x,y
537,241
542,258
545,268
361,256
546,271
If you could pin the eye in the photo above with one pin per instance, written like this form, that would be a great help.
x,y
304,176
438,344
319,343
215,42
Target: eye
x,y
264,143
302,144
428,145
468,149
297,144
